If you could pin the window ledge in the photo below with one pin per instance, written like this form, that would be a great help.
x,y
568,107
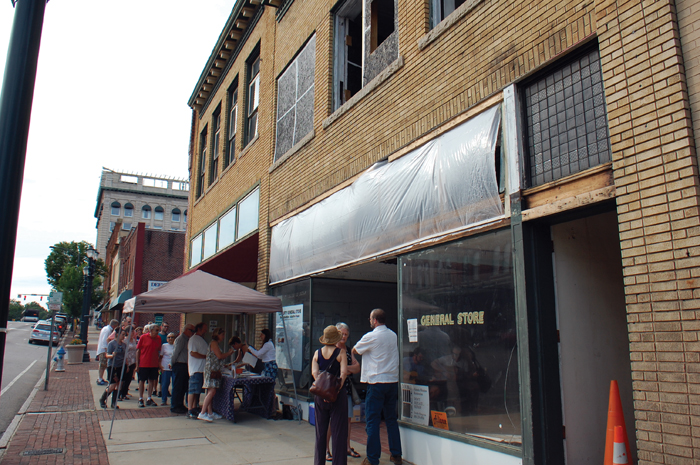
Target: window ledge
x,y
226,170
447,23
299,145
211,186
249,146
371,86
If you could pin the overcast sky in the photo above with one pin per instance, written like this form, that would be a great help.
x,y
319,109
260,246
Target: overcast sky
x,y
112,88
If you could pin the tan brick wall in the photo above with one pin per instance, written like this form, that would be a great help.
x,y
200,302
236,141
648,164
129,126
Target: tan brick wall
x,y
494,45
656,178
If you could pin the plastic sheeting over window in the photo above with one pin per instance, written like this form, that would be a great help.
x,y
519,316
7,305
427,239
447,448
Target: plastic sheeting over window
x,y
445,185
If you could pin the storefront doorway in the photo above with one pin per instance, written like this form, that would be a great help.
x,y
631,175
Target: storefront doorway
x,y
592,332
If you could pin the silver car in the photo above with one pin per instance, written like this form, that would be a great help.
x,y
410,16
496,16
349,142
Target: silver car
x,y
41,333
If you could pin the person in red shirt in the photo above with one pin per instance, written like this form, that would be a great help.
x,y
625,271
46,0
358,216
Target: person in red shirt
x,y
147,361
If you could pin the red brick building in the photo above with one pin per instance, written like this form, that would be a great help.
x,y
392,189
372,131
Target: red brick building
x,y
141,260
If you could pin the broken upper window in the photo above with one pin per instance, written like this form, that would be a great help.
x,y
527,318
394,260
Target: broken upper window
x,y
441,9
348,52
295,100
382,22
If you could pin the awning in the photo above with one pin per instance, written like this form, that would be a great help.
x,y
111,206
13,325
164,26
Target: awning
x,y
123,297
201,292
446,185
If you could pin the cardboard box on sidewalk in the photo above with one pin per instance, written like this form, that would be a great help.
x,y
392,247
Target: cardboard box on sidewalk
x,y
358,413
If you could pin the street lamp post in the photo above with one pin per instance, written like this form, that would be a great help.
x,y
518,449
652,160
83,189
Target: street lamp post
x,y
88,272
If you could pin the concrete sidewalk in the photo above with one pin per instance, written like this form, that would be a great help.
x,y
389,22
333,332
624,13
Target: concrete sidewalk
x,y
65,425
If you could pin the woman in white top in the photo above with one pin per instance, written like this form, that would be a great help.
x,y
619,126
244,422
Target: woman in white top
x,y
166,370
266,354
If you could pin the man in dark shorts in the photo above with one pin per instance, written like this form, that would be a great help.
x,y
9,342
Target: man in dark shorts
x,y
115,354
147,361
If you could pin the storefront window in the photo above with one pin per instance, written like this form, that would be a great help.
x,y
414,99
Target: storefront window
x,y
295,299
459,360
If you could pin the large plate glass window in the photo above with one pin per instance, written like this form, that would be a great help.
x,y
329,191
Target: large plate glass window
x,y
459,363
227,229
248,210
210,235
196,251
295,100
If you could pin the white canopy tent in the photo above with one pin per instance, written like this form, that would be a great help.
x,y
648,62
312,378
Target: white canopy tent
x,y
202,292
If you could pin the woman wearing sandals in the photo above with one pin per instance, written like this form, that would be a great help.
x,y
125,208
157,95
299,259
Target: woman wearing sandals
x,y
212,374
353,367
333,360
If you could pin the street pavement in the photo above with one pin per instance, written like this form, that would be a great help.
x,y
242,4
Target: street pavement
x,y
24,364
65,425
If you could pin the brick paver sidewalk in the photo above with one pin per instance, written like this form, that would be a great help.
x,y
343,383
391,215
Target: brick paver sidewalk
x,y
65,417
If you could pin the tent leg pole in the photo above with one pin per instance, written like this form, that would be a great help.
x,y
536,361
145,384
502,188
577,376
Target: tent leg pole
x,y
291,368
121,380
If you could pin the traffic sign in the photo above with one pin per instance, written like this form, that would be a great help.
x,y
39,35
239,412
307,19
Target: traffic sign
x,y
55,297
55,307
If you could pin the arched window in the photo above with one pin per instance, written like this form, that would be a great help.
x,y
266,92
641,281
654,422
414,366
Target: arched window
x,y
128,210
146,212
176,215
159,213
116,208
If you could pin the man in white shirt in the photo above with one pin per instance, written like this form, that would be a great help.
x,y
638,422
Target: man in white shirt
x,y
197,349
102,349
380,370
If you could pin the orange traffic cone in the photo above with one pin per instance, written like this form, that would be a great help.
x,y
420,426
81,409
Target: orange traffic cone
x,y
615,419
619,447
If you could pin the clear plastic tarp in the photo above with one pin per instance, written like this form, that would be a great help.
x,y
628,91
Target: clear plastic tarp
x,y
446,185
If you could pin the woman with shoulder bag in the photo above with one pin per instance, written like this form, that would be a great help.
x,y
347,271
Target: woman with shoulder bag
x,y
332,361
212,374
353,367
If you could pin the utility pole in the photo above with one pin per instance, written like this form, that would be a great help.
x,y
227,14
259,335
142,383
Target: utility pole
x,y
15,112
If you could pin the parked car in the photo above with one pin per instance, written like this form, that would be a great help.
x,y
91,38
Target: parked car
x,y
62,323
41,333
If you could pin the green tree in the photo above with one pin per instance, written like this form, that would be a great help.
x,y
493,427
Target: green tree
x,y
64,272
16,309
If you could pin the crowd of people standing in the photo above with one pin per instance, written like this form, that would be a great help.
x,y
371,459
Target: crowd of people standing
x,y
194,367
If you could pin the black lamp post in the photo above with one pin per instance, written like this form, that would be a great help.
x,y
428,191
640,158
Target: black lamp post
x,y
88,272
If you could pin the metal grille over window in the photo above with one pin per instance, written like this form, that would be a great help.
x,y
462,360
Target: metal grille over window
x,y
295,100
567,126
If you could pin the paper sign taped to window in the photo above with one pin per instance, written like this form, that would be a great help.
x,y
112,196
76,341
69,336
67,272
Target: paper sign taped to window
x,y
412,329
439,419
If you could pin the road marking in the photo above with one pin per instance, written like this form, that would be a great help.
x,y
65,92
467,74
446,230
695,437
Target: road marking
x,y
2,393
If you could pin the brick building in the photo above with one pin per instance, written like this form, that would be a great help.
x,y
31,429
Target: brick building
x,y
158,202
142,259
515,183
